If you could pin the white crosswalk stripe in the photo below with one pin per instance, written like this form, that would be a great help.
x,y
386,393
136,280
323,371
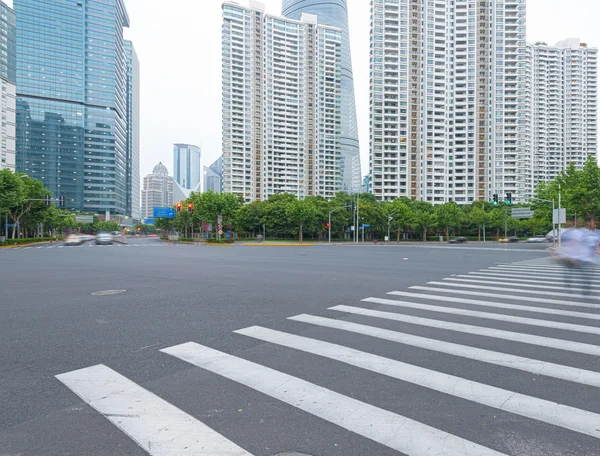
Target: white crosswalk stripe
x,y
380,425
157,426
525,301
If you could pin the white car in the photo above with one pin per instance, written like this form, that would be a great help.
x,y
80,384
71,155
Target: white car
x,y
104,239
73,239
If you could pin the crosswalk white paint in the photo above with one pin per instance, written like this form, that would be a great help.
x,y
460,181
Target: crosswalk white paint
x,y
157,426
542,410
535,292
500,305
560,344
497,295
588,272
379,425
539,285
535,366
516,279
488,316
551,275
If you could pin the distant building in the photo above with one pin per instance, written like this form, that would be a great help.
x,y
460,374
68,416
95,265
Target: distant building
x,y
8,78
282,104
157,191
186,166
213,176
366,186
563,106
132,144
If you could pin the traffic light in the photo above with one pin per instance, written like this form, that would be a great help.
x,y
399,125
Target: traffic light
x,y
495,199
61,201
508,198
178,206
190,208
327,225
348,206
47,200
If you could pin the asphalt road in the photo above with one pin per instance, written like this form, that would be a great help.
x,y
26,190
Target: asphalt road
x,y
488,355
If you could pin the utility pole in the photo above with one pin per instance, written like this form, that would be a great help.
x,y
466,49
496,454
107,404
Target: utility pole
x,y
559,227
390,218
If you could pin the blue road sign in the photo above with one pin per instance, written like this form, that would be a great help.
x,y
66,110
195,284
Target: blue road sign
x,y
366,225
164,212
149,221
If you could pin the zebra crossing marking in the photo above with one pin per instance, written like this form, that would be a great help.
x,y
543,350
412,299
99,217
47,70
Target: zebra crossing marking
x,y
154,424
379,425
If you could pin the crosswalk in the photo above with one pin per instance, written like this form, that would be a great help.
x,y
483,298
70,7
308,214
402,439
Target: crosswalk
x,y
517,317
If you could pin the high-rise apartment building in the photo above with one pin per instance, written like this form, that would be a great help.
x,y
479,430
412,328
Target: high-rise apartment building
x,y
281,104
71,100
8,76
157,191
186,166
563,102
447,85
336,14
132,144
213,177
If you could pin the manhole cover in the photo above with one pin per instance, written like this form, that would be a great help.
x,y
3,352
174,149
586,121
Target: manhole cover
x,y
107,292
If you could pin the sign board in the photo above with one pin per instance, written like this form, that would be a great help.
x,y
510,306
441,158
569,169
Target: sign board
x,y
366,225
149,221
522,213
84,219
220,219
220,232
559,216
164,212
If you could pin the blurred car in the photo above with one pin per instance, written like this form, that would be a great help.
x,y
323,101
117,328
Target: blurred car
x,y
509,239
537,239
458,240
87,237
104,239
73,239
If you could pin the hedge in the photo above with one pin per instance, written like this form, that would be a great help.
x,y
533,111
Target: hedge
x,y
10,242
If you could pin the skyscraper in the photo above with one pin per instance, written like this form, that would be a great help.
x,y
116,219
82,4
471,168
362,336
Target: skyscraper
x,y
448,85
281,104
186,166
71,100
132,145
157,191
335,13
213,176
563,107
8,76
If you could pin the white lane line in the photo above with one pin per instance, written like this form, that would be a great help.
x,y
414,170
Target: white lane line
x,y
154,424
501,305
534,292
27,248
530,339
553,413
51,247
514,284
39,247
587,272
487,315
497,295
395,431
537,367
520,278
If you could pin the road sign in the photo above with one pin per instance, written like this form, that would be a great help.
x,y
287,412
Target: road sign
x,y
522,213
220,219
559,216
164,212
366,225
220,232
84,219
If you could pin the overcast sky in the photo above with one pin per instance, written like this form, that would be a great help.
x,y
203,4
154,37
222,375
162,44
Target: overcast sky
x,y
179,46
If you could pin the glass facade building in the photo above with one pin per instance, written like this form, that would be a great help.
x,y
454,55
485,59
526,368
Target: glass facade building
x,y
186,165
71,100
8,76
335,13
213,176
133,132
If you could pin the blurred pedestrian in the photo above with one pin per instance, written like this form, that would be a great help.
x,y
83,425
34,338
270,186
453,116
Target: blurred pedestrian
x,y
578,254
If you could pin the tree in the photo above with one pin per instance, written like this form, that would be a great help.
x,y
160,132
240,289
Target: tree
x,y
24,197
479,218
424,218
447,215
209,205
107,226
300,213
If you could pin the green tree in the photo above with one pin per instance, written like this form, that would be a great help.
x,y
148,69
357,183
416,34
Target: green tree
x,y
107,226
301,213
447,215
478,217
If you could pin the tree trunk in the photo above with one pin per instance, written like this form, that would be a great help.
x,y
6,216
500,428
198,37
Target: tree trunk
x,y
300,233
425,235
14,233
447,234
398,239
479,233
